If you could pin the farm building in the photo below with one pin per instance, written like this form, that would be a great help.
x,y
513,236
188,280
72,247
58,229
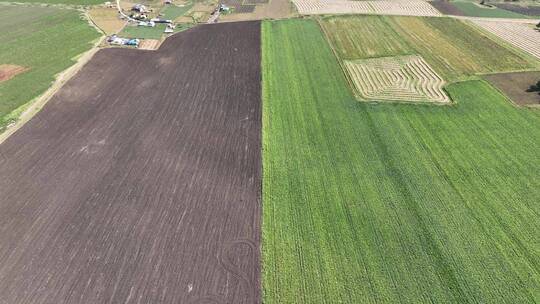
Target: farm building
x,y
139,8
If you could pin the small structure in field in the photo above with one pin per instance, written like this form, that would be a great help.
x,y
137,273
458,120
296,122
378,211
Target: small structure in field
x,y
224,8
115,40
159,20
138,16
170,28
149,24
139,8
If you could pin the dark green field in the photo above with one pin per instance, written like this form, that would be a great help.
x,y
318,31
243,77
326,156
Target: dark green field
x,y
474,10
43,39
389,203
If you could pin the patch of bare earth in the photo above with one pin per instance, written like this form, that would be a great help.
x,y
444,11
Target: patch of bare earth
x,y
107,19
447,8
269,9
519,87
8,71
149,44
140,180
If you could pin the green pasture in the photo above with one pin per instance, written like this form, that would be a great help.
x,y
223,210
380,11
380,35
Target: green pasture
x,y
392,203
44,39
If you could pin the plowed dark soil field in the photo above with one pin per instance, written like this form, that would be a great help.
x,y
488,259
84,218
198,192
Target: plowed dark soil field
x,y
139,182
518,86
447,8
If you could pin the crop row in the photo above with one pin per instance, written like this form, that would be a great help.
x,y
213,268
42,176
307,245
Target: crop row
x,y
404,78
520,35
401,7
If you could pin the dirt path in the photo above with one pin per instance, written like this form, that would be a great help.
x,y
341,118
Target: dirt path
x,y
140,180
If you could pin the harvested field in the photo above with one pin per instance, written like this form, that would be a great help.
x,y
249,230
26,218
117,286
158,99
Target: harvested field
x,y
149,44
447,8
517,86
238,6
139,182
382,7
522,36
273,9
107,19
403,78
453,48
8,71
520,9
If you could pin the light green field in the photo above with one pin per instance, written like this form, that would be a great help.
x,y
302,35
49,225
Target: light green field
x,y
390,203
453,48
172,11
473,10
143,32
169,12
44,39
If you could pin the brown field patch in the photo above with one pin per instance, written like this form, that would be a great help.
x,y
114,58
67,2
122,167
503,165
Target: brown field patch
x,y
516,86
527,10
149,44
446,8
263,9
140,180
8,71
107,19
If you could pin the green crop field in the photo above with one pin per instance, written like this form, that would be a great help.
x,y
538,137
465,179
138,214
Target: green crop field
x,y
453,48
172,11
143,32
365,37
473,10
391,203
43,39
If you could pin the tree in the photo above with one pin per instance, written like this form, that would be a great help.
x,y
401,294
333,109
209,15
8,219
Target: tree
x,y
534,87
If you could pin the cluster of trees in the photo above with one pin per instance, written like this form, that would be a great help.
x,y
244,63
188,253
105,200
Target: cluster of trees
x,y
535,87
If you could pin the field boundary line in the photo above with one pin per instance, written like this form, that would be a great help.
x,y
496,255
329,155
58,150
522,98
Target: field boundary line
x,y
36,104
338,58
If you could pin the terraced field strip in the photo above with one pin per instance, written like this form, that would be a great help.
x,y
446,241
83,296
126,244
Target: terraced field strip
x,y
455,49
522,36
392,203
383,7
403,78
